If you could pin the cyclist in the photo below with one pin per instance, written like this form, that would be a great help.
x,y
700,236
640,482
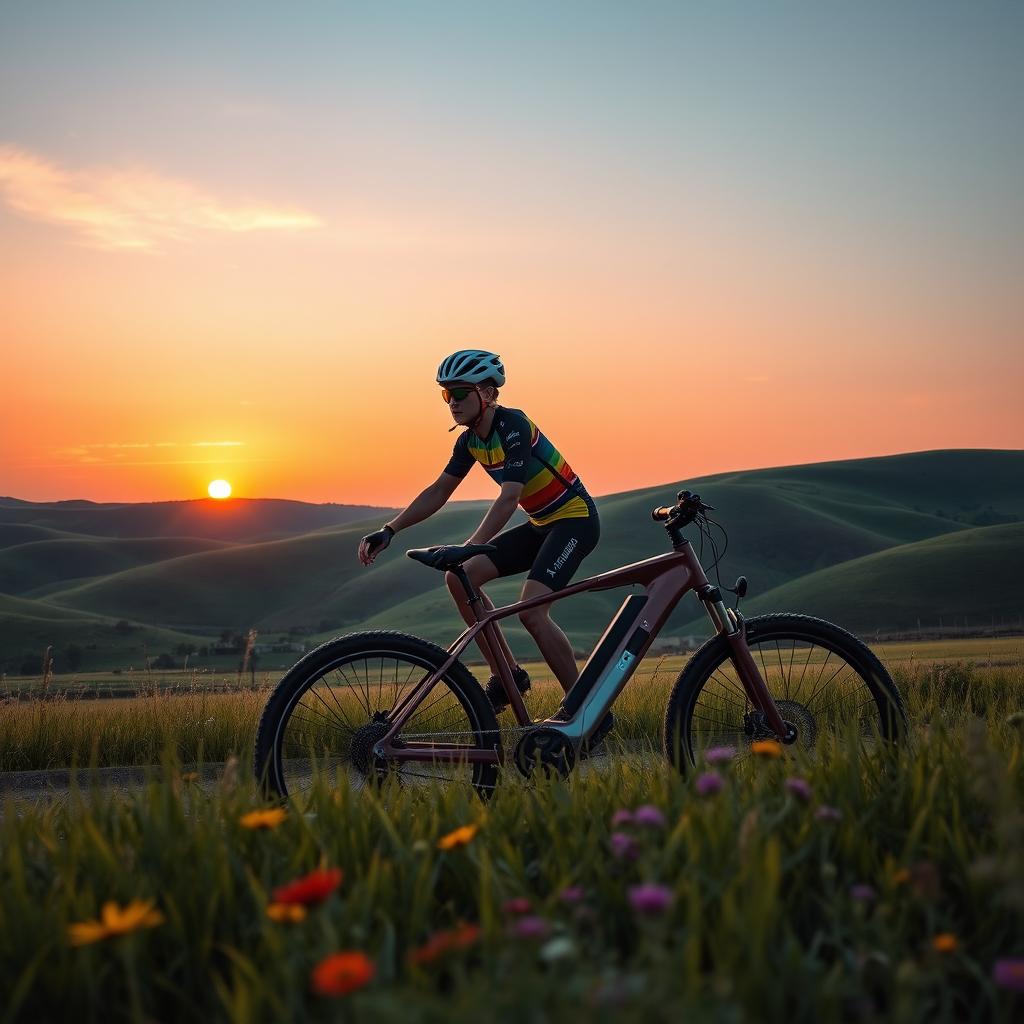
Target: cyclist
x,y
562,528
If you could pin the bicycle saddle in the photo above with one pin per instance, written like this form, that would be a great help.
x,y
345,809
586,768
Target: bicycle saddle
x,y
448,556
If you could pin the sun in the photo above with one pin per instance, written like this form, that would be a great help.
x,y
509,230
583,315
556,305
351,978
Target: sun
x,y
219,489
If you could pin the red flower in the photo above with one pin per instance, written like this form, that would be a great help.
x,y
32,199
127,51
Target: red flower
x,y
440,943
341,973
313,888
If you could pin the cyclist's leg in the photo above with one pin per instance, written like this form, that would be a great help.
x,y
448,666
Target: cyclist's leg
x,y
566,544
517,549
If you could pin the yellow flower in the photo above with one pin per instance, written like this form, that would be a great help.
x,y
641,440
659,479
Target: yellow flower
x,y
190,777
286,913
263,819
766,748
944,942
901,877
460,837
115,920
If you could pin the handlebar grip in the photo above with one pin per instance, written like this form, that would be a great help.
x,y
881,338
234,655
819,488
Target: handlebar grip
x,y
661,513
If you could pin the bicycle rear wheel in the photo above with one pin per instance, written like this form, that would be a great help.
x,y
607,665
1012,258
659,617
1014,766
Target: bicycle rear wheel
x,y
822,678
331,708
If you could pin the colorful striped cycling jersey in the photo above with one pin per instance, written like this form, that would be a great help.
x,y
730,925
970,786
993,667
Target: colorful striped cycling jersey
x,y
516,450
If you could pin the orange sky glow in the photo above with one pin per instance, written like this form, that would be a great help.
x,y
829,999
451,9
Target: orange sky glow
x,y
264,295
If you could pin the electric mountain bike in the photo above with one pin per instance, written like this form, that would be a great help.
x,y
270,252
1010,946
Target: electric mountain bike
x,y
373,704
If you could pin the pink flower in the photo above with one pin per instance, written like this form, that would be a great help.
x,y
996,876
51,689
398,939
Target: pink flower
x,y
623,846
530,927
571,894
516,905
719,755
862,893
649,815
622,817
826,813
709,783
650,899
799,787
1009,973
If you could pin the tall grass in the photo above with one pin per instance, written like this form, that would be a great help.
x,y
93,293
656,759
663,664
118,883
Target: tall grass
x,y
765,921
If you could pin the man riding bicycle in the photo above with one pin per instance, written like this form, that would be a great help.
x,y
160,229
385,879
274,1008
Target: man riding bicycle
x,y
563,524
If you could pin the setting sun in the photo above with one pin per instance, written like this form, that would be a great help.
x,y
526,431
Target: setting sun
x,y
219,489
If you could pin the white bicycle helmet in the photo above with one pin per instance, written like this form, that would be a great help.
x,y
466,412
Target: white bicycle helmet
x,y
472,366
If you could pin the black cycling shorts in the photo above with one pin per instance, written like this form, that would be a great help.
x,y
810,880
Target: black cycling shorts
x,y
552,553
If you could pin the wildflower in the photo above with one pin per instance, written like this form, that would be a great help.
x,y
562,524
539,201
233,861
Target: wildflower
x,y
440,943
623,846
719,755
944,942
622,817
557,948
460,837
862,893
901,877
1009,973
341,973
709,783
766,748
648,815
530,927
517,905
571,894
115,920
263,819
650,899
799,787
312,888
190,777
286,913
826,813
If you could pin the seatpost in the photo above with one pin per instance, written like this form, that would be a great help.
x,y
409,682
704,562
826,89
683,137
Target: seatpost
x,y
471,595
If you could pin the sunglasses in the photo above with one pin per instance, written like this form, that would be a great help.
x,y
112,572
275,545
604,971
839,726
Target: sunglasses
x,y
459,394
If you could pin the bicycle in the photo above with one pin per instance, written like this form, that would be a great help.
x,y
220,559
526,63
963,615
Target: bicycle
x,y
361,702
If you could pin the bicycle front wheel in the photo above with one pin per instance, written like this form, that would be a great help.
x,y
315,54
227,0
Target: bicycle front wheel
x,y
331,709
822,679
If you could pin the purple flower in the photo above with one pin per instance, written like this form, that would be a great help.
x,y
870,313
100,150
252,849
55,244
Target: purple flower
x,y
709,783
571,894
516,905
649,815
650,899
719,755
622,817
826,813
530,927
623,846
799,787
862,893
1009,973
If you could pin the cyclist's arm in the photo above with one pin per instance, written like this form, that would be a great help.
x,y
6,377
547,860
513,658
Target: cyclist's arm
x,y
426,503
499,513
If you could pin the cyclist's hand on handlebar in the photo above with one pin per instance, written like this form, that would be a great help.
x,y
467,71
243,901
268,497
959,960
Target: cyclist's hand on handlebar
x,y
374,543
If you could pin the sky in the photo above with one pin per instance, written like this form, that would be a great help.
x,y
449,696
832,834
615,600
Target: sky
x,y
236,240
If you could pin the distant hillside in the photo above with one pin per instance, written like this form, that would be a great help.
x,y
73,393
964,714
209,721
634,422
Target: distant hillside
x,y
969,577
788,527
235,519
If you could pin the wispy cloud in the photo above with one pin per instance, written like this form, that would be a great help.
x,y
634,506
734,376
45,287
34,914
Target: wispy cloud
x,y
131,208
100,452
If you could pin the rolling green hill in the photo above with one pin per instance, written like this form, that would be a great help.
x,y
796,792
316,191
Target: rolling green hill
x,y
972,576
24,568
791,530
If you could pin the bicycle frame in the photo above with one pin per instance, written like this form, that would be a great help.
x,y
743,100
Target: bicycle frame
x,y
665,579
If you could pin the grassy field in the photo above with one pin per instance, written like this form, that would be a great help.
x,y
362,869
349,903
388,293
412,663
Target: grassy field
x,y
881,886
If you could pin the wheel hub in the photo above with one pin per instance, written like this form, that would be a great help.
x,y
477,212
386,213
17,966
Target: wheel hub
x,y
800,724
364,739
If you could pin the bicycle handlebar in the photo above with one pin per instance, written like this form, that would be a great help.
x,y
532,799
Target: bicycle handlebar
x,y
688,507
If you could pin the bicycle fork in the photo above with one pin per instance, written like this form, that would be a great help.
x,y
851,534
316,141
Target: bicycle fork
x,y
733,627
